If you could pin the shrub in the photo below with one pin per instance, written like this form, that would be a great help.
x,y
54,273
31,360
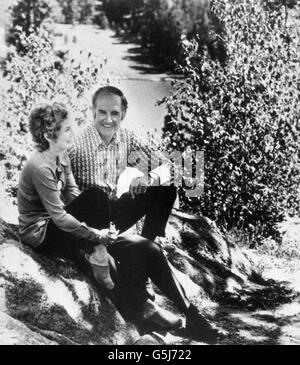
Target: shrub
x,y
36,77
244,115
101,19
26,17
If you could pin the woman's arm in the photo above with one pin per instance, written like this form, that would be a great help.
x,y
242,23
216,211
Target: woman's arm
x,y
71,190
44,182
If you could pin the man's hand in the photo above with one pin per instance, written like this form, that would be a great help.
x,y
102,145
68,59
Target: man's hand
x,y
138,186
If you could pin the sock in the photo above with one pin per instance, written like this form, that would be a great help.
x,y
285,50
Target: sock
x,y
102,275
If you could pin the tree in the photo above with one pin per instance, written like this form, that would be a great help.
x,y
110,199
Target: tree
x,y
244,115
27,16
35,77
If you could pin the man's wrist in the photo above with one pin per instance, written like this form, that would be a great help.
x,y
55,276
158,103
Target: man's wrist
x,y
154,179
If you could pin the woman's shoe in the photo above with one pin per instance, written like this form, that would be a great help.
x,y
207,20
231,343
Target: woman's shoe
x,y
101,274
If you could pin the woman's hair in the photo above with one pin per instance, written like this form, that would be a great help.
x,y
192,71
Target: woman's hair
x,y
46,119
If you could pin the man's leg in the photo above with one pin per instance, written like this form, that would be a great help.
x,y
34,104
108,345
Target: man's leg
x,y
137,260
156,204
92,207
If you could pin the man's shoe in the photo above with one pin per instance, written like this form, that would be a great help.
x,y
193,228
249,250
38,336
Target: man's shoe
x,y
198,328
154,315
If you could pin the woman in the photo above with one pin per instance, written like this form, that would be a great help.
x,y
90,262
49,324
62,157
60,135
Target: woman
x,y
55,217
46,183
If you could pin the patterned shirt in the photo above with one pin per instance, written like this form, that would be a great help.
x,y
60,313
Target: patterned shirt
x,y
96,164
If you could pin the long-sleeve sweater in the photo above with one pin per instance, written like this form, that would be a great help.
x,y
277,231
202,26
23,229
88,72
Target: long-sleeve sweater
x,y
45,187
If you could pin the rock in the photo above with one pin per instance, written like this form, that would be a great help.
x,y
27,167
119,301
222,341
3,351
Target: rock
x,y
149,340
57,302
196,247
51,299
14,332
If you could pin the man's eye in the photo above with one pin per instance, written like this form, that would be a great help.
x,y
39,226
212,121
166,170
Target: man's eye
x,y
101,112
115,114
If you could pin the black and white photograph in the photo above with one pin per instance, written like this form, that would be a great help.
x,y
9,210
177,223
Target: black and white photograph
x,y
149,175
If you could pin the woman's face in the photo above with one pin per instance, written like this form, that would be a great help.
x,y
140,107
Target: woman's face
x,y
65,137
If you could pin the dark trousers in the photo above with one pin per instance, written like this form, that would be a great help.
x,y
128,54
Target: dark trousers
x,y
156,205
137,258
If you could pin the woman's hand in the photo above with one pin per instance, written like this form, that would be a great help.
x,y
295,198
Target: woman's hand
x,y
105,237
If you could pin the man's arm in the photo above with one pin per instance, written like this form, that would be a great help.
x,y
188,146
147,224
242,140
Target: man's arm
x,y
152,162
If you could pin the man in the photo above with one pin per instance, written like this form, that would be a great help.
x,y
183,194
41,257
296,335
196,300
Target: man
x,y
99,155
103,151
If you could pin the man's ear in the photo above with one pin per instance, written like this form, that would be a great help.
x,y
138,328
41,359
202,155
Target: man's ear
x,y
123,115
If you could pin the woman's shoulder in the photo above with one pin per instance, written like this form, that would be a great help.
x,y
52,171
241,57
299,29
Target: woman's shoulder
x,y
36,163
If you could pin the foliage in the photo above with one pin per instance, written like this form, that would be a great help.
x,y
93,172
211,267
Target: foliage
x,y
244,115
26,17
101,19
116,9
81,11
158,25
163,23
37,77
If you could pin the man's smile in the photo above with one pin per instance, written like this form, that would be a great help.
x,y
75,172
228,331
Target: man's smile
x,y
107,125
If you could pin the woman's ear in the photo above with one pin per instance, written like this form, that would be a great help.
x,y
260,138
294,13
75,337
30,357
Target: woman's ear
x,y
46,137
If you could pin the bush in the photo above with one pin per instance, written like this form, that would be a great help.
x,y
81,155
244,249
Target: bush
x,y
26,16
101,20
36,77
244,115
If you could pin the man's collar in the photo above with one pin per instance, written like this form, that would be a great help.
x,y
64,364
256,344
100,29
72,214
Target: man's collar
x,y
115,139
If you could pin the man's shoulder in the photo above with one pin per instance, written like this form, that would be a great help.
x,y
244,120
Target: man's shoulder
x,y
86,137
124,132
85,132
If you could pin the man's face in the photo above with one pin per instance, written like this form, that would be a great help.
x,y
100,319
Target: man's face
x,y
108,115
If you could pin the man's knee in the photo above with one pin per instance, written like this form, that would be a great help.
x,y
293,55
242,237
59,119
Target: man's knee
x,y
94,193
164,193
152,249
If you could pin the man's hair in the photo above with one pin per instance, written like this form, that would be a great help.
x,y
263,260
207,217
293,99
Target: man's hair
x,y
110,90
46,119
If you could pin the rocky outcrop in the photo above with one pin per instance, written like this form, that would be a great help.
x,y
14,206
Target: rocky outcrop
x,y
196,247
46,300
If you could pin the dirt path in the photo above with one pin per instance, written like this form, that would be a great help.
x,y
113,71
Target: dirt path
x,y
142,84
278,326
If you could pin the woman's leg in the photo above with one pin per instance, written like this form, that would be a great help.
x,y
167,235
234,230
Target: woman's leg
x,y
64,243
